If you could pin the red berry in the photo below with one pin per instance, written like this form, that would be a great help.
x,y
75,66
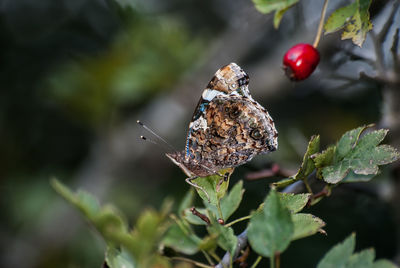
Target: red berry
x,y
300,61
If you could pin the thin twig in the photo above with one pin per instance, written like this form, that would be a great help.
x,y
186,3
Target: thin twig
x,y
277,260
393,49
243,258
208,258
259,258
198,264
237,220
379,38
242,243
275,170
321,24
386,27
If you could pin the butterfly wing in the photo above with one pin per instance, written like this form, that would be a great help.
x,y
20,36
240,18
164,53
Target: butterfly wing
x,y
231,132
230,79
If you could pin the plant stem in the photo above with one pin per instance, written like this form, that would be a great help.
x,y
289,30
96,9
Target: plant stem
x,y
305,181
198,264
321,24
256,262
219,209
237,220
271,262
215,256
278,260
210,261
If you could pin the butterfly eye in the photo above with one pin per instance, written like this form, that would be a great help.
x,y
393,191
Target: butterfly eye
x,y
256,134
235,112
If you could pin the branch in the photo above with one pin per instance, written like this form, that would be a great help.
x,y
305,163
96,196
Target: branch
x,y
386,27
380,37
393,49
242,238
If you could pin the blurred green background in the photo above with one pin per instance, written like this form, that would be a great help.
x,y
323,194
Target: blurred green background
x,y
76,75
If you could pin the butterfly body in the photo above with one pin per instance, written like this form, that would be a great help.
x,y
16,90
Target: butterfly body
x,y
228,127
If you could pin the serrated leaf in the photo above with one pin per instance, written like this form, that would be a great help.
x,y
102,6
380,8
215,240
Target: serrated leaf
x,y
181,241
339,18
359,24
306,225
347,142
339,255
270,230
230,202
352,177
362,259
216,186
118,259
325,158
226,238
294,202
308,165
361,155
279,6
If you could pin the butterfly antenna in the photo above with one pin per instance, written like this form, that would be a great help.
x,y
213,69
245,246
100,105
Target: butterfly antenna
x,y
155,135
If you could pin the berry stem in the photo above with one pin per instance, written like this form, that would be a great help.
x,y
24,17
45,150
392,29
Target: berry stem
x,y
321,24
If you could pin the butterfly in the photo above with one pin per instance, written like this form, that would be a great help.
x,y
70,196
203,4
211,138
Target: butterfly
x,y
228,127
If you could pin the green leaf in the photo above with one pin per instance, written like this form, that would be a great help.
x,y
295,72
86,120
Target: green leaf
x,y
279,6
294,202
353,19
85,202
118,259
383,264
339,255
306,225
323,159
216,186
181,240
209,243
226,237
361,155
358,26
141,243
270,230
352,177
308,165
230,202
110,220
338,19
347,142
186,202
362,259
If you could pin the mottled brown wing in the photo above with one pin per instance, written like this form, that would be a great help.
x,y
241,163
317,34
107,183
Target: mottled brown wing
x,y
232,132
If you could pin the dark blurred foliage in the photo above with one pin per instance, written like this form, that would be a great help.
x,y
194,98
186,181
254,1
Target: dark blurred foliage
x,y
74,72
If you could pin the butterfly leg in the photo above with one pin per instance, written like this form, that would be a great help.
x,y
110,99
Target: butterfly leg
x,y
189,181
